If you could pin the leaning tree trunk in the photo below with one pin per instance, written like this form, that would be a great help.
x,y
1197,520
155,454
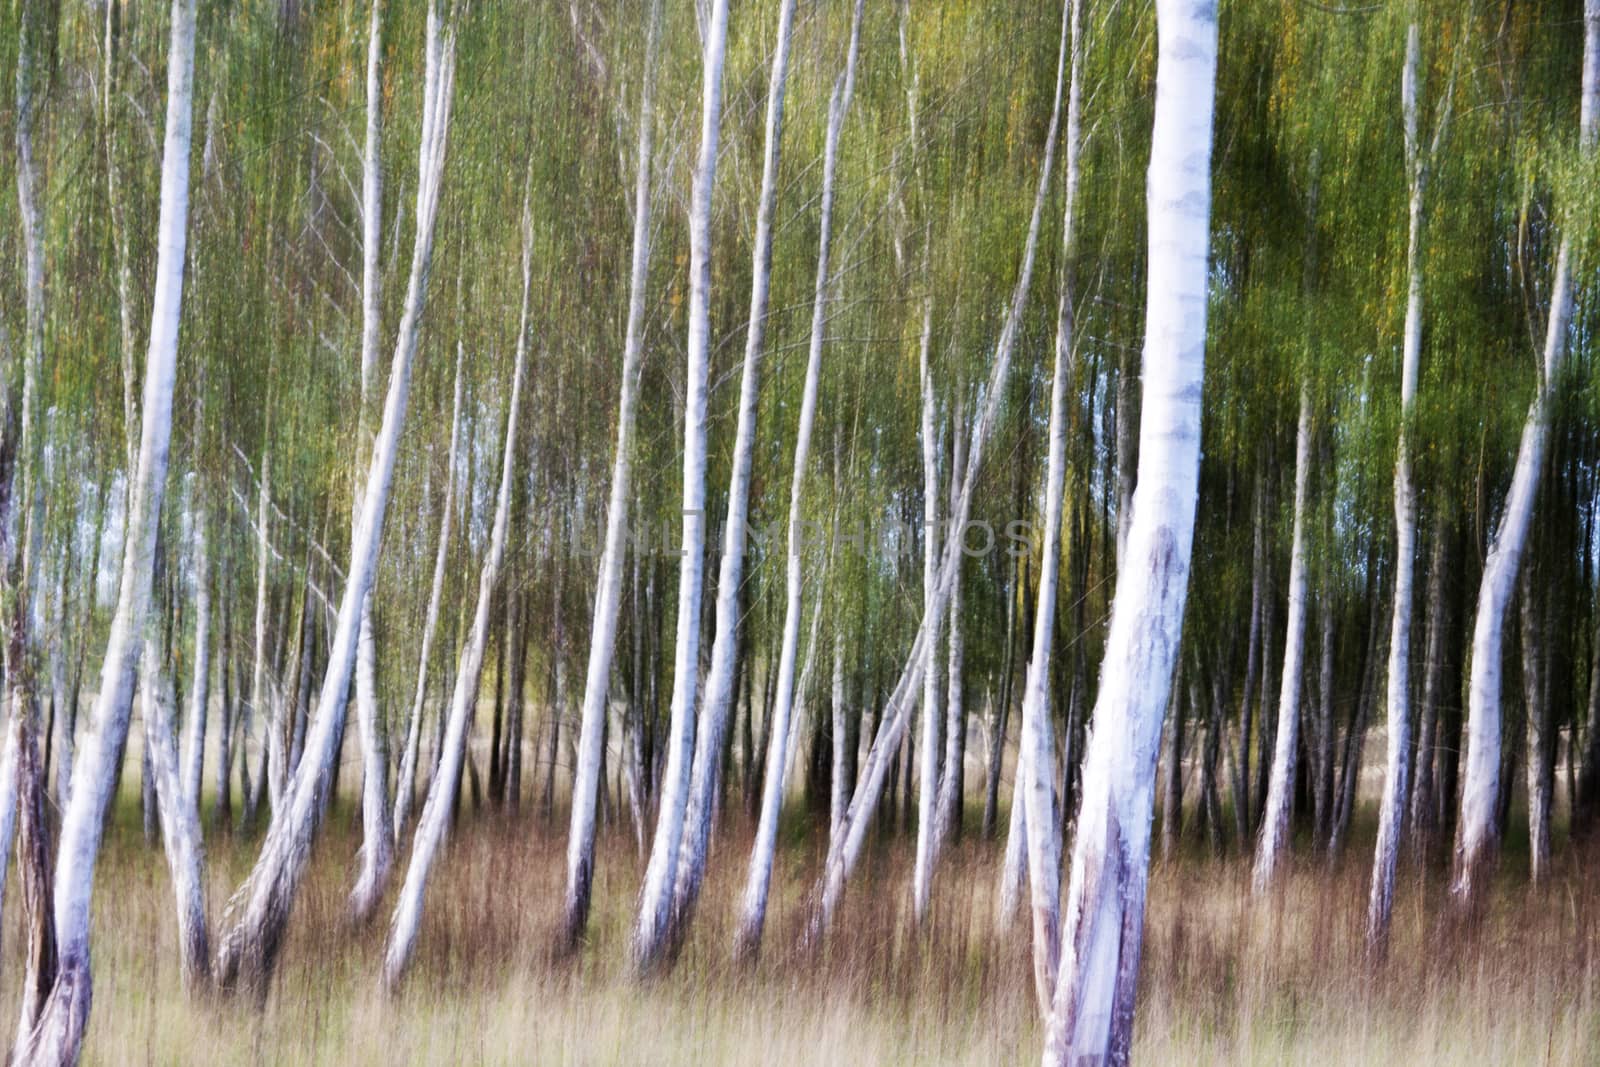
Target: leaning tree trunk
x,y
180,820
1480,789
1092,1016
1280,789
57,1037
1391,813
435,817
258,912
719,684
1041,819
655,900
846,849
405,784
377,826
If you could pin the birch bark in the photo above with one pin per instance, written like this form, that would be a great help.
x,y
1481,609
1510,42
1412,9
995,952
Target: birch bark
x,y
57,1036
1092,1015
1274,836
405,784
655,901
719,685
1480,787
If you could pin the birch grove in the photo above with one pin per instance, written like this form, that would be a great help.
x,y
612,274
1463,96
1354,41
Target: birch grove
x,y
908,600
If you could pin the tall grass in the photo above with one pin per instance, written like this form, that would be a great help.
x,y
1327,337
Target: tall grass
x,y
1224,980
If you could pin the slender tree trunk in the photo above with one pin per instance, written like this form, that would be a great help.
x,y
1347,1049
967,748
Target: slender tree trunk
x,y
933,614
655,901
405,784
1424,798
901,703
180,823
222,810
435,817
1541,728
753,907
57,1037
997,731
1274,839
377,824
1092,1015
259,910
1391,815
952,777
1480,792
719,684
258,673
608,595
1037,752
200,689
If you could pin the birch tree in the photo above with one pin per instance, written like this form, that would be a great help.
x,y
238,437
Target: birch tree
x,y
377,840
655,899
752,914
1092,1015
846,846
1480,787
435,817
1391,815
257,914
57,1035
405,784
720,680
1039,823
608,593
1274,837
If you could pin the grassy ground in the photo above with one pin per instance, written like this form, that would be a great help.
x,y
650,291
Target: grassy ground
x,y
1223,981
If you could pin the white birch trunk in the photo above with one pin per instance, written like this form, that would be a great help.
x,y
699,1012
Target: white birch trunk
x,y
58,1035
655,901
1092,1016
1391,813
1041,818
180,820
758,881
405,785
377,829
928,749
1480,786
1014,861
259,703
435,818
724,647
952,780
1274,837
259,910
194,745
608,593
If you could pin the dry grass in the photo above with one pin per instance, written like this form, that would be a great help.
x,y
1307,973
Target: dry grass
x,y
1223,981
